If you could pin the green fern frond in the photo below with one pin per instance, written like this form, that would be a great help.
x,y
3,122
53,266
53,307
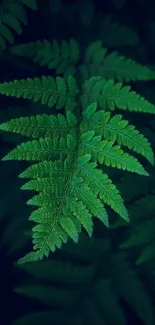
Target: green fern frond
x,y
40,126
63,57
47,90
116,129
73,187
105,152
72,190
98,62
111,95
43,149
85,183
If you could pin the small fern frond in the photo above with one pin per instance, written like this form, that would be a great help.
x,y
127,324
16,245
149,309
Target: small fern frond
x,y
74,207
63,57
43,169
40,126
38,150
47,90
111,95
98,62
105,152
116,129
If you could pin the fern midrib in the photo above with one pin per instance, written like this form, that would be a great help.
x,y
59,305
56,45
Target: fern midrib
x,y
70,175
100,185
50,128
61,206
108,153
36,89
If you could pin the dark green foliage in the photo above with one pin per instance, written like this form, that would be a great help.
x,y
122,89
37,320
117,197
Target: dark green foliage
x,y
70,147
12,17
88,291
76,141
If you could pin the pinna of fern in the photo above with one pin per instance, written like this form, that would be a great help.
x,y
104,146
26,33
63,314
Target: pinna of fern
x,y
66,58
68,150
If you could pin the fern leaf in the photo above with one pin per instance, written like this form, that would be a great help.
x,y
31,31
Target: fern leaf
x,y
111,95
45,169
116,129
41,126
43,149
73,197
101,185
112,65
61,57
110,155
45,89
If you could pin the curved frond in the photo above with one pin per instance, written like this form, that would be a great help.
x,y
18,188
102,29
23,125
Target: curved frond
x,y
43,149
74,199
62,57
116,129
47,90
98,62
105,152
40,126
111,95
